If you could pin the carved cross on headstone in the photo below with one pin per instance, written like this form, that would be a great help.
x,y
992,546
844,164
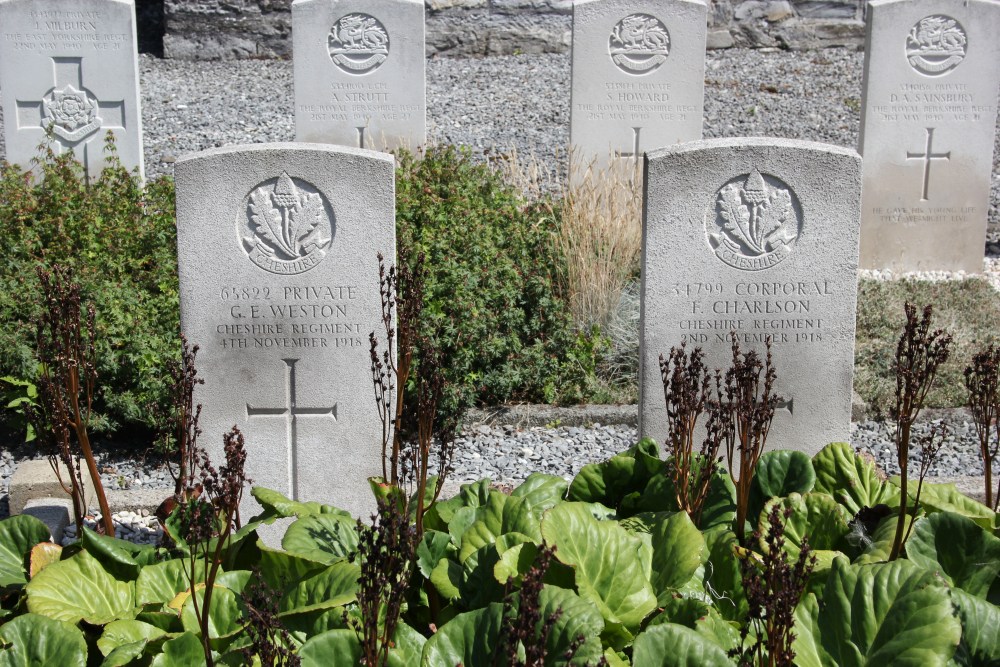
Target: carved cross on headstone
x,y
927,156
361,137
290,411
72,112
635,145
785,404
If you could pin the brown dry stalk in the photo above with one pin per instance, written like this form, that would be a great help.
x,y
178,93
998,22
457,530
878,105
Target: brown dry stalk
x,y
982,379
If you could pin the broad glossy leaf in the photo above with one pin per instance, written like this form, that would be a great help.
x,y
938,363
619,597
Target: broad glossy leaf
x,y
121,558
965,553
980,630
851,480
890,613
301,627
39,641
433,546
723,583
578,618
408,647
333,586
815,517
501,515
515,561
947,498
468,639
285,507
18,535
447,579
120,633
605,482
124,654
183,651
779,473
44,554
280,568
542,491
605,558
678,552
79,588
161,582
322,537
671,645
719,510
334,648
225,615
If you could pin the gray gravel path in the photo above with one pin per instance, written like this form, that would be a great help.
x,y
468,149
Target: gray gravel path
x,y
520,102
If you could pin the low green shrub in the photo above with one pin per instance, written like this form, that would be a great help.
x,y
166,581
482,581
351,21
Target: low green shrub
x,y
118,238
494,296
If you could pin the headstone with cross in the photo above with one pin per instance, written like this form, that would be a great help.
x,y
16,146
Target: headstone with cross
x,y
279,283
638,70
929,113
69,72
757,238
359,72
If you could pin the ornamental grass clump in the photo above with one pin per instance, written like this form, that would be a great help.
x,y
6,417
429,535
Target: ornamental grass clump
x,y
982,379
919,354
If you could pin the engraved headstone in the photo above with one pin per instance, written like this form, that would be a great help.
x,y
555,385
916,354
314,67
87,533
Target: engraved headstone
x,y
932,69
70,67
279,284
757,237
359,72
638,72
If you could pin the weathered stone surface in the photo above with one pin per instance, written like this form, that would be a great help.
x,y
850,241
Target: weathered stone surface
x,y
279,287
234,29
719,39
829,9
70,66
929,109
360,73
36,479
757,236
768,10
638,77
804,35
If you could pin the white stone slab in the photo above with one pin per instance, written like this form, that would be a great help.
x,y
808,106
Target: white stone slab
x,y
638,73
359,72
788,269
279,286
932,70
70,65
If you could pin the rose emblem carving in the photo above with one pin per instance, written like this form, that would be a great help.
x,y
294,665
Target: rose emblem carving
x,y
71,113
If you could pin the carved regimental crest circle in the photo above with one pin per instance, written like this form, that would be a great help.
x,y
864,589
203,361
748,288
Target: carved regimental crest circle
x,y
754,221
936,45
71,113
639,44
286,225
358,43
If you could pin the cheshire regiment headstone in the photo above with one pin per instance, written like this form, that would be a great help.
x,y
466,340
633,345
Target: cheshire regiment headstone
x,y
932,69
70,67
638,73
758,237
359,72
279,284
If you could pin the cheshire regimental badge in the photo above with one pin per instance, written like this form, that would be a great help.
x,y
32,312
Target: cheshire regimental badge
x,y
936,45
639,44
358,43
754,222
286,225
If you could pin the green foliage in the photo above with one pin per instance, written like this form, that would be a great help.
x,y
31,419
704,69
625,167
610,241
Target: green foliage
x,y
118,237
492,297
639,587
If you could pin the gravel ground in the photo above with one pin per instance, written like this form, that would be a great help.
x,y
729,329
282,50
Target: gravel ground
x,y
496,104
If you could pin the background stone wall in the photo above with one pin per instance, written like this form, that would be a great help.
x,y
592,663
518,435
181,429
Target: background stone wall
x,y
229,29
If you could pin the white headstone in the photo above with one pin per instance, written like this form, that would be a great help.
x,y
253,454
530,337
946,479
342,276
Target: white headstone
x,y
638,76
359,72
932,69
279,284
70,65
757,236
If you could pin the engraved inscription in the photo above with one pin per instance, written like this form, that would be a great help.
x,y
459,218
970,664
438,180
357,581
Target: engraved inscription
x,y
72,113
639,44
285,225
358,43
754,222
927,156
79,31
936,45
784,311
290,411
